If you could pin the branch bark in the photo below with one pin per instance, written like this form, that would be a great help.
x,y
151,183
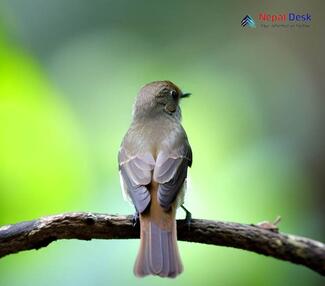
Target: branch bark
x,y
86,226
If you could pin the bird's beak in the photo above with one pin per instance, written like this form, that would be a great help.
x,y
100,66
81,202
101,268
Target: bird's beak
x,y
184,95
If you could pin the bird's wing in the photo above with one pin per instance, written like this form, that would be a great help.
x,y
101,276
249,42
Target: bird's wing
x,y
170,172
135,172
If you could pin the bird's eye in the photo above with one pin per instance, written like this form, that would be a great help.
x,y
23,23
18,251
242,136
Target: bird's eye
x,y
173,93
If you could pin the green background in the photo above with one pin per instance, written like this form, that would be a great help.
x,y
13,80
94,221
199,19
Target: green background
x,y
69,73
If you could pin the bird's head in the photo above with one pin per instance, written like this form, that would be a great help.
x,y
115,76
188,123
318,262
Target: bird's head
x,y
158,97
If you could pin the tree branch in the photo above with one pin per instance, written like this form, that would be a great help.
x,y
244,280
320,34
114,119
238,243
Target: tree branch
x,y
86,226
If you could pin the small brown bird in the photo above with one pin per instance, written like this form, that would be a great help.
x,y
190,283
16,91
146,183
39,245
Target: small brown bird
x,y
153,161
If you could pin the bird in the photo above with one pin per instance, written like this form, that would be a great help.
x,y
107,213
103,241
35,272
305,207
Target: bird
x,y
153,159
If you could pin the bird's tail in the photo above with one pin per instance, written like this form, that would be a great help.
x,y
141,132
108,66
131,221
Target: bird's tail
x,y
158,253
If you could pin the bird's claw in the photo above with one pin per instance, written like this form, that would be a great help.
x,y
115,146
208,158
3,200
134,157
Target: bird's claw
x,y
188,216
135,219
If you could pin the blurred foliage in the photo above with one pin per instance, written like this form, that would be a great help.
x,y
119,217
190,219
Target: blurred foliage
x,y
41,150
69,72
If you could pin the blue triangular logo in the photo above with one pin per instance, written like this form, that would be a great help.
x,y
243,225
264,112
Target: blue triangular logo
x,y
248,21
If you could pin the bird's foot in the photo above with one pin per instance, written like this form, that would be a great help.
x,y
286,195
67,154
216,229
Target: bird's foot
x,y
135,219
188,216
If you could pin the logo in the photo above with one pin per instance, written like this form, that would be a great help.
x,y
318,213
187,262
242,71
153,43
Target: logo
x,y
248,21
284,17
285,20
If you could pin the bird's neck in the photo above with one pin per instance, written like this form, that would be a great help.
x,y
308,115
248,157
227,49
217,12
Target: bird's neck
x,y
157,115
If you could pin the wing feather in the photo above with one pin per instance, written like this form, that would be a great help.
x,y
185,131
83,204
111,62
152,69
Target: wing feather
x,y
135,173
170,172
